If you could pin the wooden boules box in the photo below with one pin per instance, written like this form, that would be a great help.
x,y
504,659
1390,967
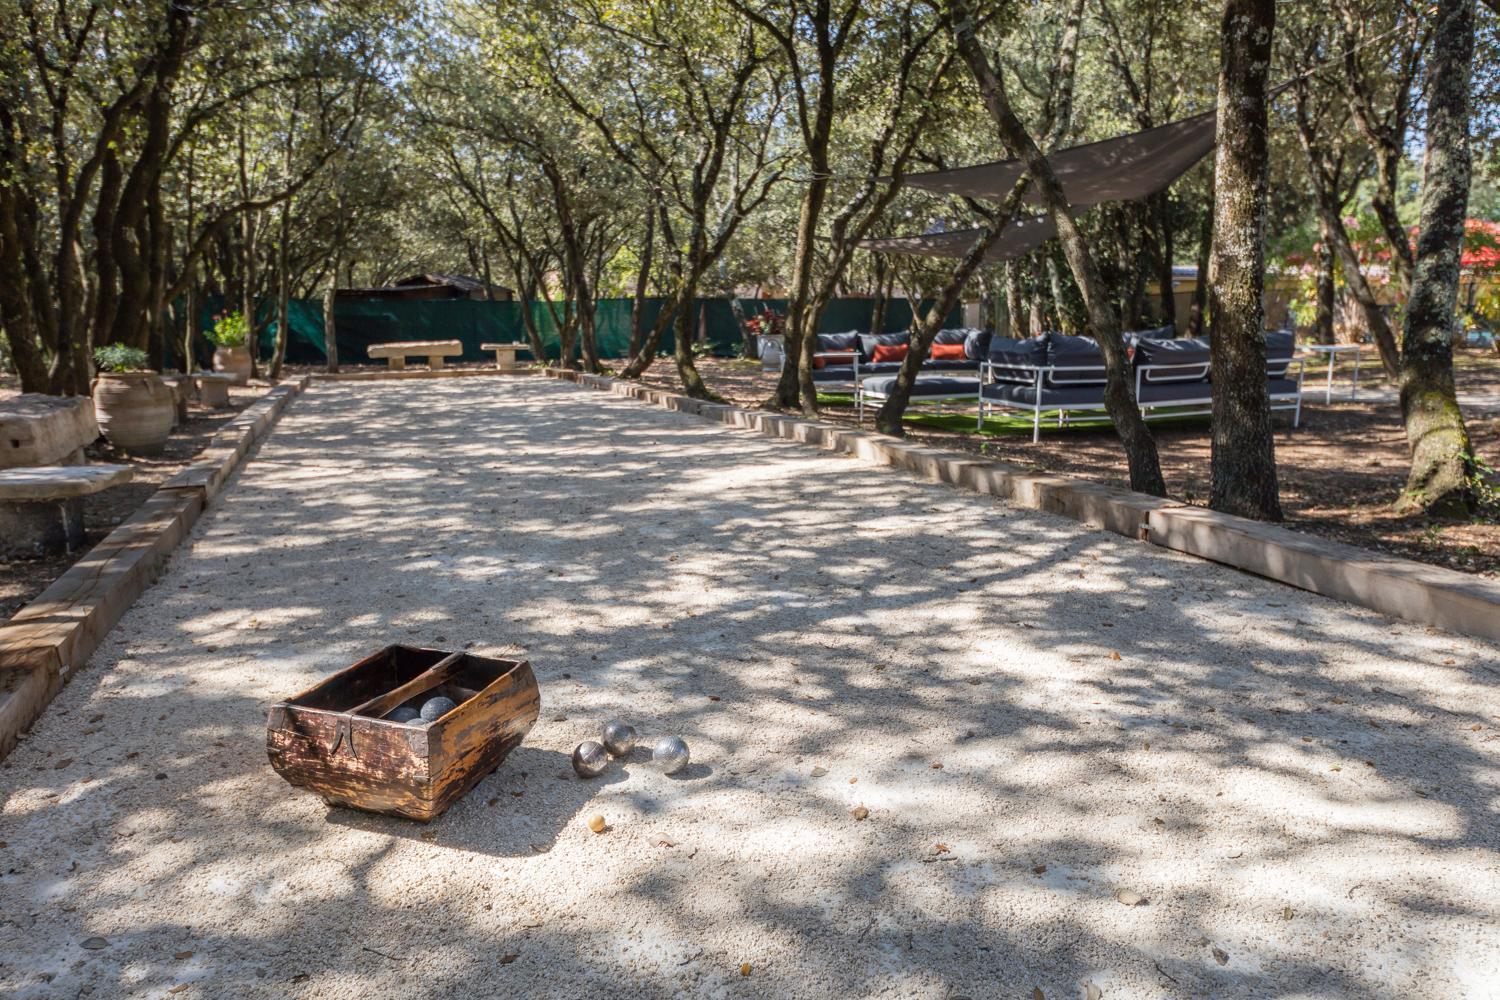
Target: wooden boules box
x,y
338,740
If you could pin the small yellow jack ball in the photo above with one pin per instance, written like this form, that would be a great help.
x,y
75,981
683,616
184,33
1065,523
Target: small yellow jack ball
x,y
596,823
745,968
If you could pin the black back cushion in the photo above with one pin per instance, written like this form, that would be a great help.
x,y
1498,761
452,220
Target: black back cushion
x,y
977,344
1079,353
838,342
1188,351
869,341
1007,356
1279,347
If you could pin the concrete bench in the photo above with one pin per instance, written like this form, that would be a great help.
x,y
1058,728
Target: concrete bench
x,y
213,388
36,429
505,355
41,509
433,350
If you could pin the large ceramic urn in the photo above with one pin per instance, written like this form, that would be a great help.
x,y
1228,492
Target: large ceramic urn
x,y
135,411
233,361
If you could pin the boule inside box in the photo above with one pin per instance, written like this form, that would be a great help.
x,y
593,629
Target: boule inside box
x,y
338,740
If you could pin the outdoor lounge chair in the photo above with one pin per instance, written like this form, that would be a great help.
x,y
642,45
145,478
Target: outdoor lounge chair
x,y
1066,375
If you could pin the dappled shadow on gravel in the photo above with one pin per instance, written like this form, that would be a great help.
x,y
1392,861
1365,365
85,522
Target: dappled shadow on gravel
x,y
1038,718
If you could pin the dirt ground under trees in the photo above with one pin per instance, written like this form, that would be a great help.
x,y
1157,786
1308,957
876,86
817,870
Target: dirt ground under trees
x,y
1340,471
23,579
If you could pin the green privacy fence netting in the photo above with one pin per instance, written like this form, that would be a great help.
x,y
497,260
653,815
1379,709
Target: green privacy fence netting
x,y
361,323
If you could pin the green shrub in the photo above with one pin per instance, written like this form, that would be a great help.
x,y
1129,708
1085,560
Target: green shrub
x,y
229,330
119,358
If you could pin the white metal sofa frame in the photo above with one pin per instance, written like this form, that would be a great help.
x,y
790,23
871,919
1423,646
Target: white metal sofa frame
x,y
1279,400
863,394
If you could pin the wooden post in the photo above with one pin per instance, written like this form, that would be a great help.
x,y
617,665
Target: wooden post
x,y
330,338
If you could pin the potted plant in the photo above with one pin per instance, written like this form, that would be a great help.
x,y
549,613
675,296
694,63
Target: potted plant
x,y
231,353
133,405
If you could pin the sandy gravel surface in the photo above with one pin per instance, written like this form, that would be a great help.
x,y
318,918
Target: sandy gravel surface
x,y
1303,794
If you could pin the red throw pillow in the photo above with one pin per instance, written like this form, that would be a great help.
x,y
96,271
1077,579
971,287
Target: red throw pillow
x,y
890,352
946,352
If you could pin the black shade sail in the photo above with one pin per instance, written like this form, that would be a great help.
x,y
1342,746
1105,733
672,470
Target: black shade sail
x,y
1019,238
1125,168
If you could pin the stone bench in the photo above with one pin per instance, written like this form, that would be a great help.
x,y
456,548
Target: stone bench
x,y
505,355
41,509
213,388
433,350
36,429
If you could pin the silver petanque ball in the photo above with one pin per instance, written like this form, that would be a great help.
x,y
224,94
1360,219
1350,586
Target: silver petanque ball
x,y
589,759
619,739
434,709
670,754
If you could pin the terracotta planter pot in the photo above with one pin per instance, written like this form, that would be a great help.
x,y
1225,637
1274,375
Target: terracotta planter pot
x,y
135,411
234,361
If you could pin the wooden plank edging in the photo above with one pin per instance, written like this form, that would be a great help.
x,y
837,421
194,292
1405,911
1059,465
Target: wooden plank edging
x,y
1401,588
52,638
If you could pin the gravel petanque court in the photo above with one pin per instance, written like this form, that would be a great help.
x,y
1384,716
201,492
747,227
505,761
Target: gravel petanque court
x,y
1042,721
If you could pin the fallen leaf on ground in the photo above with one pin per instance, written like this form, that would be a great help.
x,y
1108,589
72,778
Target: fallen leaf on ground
x,y
940,848
744,968
860,812
1114,654
1130,897
937,765
1286,913
183,955
1221,956
818,772
663,842
507,959
1038,869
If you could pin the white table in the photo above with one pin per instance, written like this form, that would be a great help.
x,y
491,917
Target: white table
x,y
1333,351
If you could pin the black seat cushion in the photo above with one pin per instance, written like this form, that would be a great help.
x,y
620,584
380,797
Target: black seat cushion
x,y
1026,395
1196,391
834,373
1079,353
925,385
1191,351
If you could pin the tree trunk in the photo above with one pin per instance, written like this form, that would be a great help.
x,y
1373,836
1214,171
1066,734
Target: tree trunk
x,y
888,418
1119,396
189,323
1161,208
330,333
642,277
284,292
1442,467
1197,312
1326,295
1015,304
1244,451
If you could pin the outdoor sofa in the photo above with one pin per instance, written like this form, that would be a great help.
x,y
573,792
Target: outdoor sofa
x,y
1171,377
842,360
